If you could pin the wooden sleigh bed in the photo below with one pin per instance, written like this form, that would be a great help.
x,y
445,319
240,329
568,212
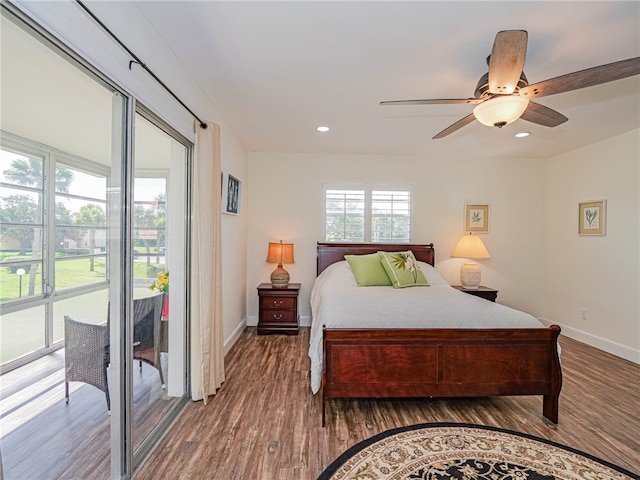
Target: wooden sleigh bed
x,y
454,362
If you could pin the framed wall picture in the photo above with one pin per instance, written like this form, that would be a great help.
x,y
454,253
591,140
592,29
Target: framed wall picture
x,y
231,194
592,217
476,218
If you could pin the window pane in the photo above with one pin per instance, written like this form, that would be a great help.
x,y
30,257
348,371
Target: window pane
x,y
82,184
89,308
19,280
20,206
80,212
345,215
149,228
22,333
19,169
80,228
390,216
80,271
80,241
81,219
19,241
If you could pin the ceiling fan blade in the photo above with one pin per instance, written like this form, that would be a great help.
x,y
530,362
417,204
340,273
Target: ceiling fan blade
x,y
441,101
507,61
456,126
542,115
583,78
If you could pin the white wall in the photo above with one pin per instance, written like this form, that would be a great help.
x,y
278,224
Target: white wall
x,y
234,250
68,22
538,261
285,202
598,273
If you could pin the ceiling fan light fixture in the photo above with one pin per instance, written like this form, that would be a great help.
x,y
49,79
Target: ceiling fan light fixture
x,y
500,110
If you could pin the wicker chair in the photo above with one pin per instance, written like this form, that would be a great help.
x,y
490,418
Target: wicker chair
x,y
147,314
86,356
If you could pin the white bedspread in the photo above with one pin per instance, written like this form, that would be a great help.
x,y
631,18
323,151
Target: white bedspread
x,y
338,302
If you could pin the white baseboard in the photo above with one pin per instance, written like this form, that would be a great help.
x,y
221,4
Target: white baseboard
x,y
235,335
252,321
608,346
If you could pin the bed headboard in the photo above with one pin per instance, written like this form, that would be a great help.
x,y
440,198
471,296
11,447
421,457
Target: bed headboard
x,y
329,253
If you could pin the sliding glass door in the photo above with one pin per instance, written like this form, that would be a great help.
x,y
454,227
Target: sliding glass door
x,y
160,224
94,210
58,149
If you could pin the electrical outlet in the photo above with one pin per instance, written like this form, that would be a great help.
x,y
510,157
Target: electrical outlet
x,y
583,315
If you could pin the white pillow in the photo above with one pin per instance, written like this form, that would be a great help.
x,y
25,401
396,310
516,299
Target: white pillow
x,y
433,277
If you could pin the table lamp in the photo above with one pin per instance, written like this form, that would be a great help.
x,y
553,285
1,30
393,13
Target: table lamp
x,y
280,253
470,246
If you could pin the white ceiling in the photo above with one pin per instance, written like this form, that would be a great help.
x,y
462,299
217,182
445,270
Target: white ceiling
x,y
65,108
276,70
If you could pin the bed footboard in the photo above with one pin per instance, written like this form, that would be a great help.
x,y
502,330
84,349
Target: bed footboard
x,y
403,363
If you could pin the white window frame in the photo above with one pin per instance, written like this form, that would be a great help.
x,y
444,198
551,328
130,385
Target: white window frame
x,y
368,189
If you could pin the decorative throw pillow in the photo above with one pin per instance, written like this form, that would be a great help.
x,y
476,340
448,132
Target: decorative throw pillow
x,y
403,270
368,270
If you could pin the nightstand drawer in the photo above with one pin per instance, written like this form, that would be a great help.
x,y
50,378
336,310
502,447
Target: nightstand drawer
x,y
277,303
278,316
278,312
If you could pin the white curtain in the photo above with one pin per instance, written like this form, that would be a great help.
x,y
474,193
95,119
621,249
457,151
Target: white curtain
x,y
207,351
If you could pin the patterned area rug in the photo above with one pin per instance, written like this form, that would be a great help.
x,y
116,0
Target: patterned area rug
x,y
455,451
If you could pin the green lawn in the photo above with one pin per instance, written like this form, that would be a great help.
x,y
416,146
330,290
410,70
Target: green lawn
x,y
23,332
69,273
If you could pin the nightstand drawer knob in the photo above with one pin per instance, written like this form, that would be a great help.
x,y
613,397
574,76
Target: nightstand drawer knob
x,y
277,316
278,303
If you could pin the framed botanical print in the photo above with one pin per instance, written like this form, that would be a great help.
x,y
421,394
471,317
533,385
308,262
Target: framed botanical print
x,y
592,217
476,218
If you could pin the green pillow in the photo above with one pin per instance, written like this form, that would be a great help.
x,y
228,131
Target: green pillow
x,y
403,270
368,270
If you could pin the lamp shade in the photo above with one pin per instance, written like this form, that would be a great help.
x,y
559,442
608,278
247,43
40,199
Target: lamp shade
x,y
280,253
470,246
501,110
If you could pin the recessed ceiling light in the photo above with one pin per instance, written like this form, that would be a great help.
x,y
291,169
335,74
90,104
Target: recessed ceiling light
x,y
322,129
522,134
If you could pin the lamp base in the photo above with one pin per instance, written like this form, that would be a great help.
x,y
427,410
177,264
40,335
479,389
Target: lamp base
x,y
279,277
470,276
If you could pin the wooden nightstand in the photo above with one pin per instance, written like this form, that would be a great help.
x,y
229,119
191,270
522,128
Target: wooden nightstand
x,y
278,309
482,292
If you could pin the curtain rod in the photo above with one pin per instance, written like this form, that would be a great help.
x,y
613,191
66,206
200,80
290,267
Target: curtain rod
x,y
139,62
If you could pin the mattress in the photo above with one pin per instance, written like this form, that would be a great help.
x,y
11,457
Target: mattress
x,y
338,302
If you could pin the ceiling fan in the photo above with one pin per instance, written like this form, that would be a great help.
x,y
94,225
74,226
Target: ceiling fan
x,y
503,94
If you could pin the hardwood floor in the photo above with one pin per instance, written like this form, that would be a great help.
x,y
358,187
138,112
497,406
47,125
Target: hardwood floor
x,y
42,437
264,423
